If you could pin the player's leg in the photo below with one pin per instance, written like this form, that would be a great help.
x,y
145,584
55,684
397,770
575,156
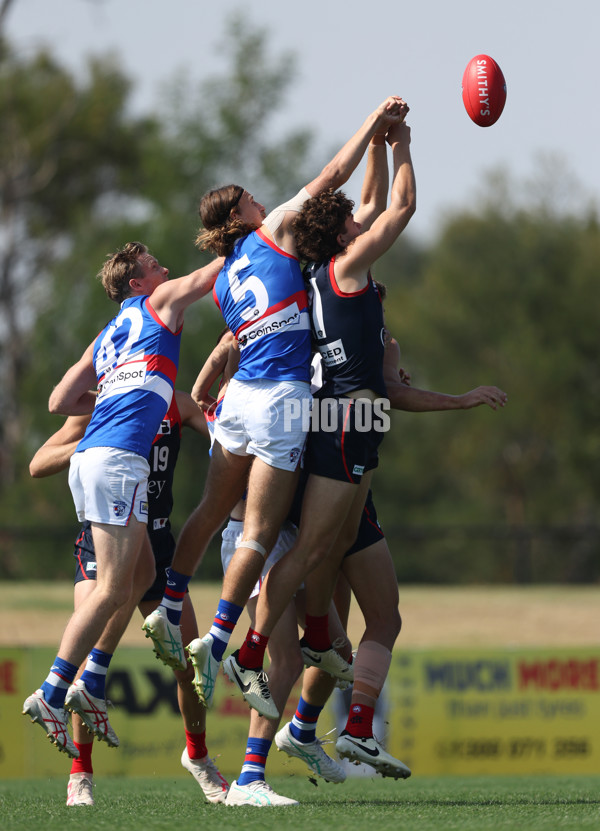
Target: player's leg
x,y
285,666
324,510
81,779
225,485
270,493
117,549
298,738
321,581
268,501
195,757
372,578
87,695
318,531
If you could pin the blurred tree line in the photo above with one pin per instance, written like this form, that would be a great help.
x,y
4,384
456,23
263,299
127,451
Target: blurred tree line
x,y
505,294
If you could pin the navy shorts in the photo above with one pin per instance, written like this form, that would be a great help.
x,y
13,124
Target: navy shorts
x,y
369,530
346,452
163,548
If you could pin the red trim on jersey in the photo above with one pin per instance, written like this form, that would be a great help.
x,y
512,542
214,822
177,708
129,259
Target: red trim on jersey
x,y
214,294
338,290
346,416
300,298
173,416
154,363
272,244
162,364
150,310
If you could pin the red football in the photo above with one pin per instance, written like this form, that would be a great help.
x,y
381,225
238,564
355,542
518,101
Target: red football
x,y
483,90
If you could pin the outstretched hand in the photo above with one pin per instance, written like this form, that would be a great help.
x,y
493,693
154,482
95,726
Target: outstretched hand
x,y
494,397
392,111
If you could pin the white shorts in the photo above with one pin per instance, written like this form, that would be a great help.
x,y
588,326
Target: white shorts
x,y
233,534
259,418
109,485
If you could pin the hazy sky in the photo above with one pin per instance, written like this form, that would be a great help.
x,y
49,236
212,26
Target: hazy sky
x,y
353,54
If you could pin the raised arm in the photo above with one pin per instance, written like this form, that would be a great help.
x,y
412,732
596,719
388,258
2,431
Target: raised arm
x,y
54,455
171,299
370,245
344,163
373,196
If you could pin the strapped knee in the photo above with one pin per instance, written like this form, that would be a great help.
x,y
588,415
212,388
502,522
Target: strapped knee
x,y
371,665
255,546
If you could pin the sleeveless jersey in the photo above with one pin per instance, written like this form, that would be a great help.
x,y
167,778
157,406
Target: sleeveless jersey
x,y
136,358
162,460
349,333
260,292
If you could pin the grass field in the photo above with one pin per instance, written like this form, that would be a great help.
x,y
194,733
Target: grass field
x,y
433,616
482,804
36,613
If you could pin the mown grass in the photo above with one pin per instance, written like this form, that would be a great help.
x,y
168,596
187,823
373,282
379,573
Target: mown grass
x,y
426,804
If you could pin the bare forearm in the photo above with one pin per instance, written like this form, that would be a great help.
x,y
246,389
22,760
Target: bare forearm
x,y
344,163
412,399
404,187
51,459
373,198
212,369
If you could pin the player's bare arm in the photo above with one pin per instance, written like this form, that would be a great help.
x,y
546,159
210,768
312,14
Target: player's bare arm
x,y
171,299
213,368
75,392
368,247
373,195
55,454
191,414
340,168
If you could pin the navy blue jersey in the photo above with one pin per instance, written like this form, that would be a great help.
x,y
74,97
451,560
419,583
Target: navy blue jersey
x,y
162,461
349,333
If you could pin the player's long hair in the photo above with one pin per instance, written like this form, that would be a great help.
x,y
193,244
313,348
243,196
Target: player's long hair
x,y
120,268
222,226
318,224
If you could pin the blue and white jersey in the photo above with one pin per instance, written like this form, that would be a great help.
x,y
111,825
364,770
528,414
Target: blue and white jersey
x,y
260,292
136,359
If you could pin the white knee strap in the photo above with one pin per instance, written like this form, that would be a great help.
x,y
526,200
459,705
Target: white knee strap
x,y
254,545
